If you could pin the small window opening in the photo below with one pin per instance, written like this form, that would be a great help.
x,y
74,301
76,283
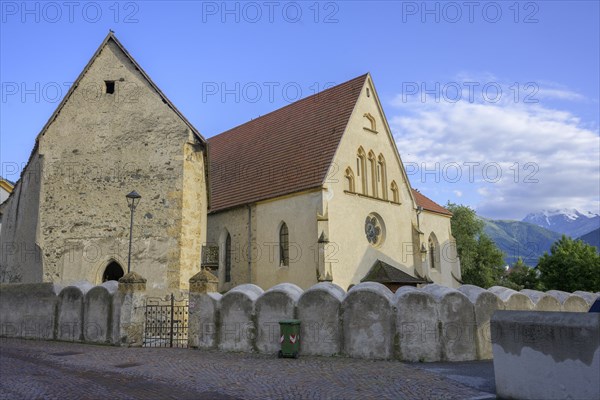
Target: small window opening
x,y
110,86
284,246
228,258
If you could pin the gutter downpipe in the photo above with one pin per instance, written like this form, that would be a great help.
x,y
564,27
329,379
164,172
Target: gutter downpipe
x,y
249,255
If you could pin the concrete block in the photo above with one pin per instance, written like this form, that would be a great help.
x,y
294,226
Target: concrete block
x,y
129,306
97,312
569,302
457,323
417,331
70,314
542,301
276,304
368,319
204,320
512,299
238,331
546,355
589,297
28,310
319,310
485,304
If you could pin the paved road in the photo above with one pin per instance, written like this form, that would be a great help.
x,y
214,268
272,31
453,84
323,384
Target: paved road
x,y
58,370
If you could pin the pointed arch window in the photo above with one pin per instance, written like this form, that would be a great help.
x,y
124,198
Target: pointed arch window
x,y
284,246
350,180
113,272
382,176
361,169
228,258
433,252
373,175
395,192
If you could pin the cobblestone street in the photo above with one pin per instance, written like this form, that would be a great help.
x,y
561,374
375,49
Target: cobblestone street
x,y
57,370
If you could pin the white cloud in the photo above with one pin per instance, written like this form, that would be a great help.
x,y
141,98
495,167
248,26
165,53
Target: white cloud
x,y
560,94
457,193
546,157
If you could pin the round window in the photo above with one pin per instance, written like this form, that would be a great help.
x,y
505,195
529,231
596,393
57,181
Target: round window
x,y
374,229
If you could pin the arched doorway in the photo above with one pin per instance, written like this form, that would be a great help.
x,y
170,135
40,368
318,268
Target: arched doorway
x,y
112,272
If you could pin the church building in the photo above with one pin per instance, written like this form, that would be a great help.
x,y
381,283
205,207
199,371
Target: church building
x,y
67,218
315,191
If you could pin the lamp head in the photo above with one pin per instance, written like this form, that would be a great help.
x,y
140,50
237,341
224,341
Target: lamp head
x,y
133,198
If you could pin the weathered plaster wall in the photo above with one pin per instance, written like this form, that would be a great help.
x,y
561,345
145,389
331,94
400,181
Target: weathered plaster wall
x,y
20,255
447,257
193,214
299,212
235,222
99,148
300,215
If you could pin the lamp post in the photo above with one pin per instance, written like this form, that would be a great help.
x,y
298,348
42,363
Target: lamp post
x,y
132,198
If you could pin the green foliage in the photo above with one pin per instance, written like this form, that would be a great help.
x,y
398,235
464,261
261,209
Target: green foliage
x,y
481,261
522,276
571,265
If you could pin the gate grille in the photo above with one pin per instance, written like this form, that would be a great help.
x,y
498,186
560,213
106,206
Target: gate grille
x,y
166,323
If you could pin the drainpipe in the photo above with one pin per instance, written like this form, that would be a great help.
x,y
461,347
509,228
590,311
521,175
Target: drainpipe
x,y
249,255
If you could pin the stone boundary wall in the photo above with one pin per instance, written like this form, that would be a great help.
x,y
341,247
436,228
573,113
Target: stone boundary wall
x,y
546,355
111,313
432,323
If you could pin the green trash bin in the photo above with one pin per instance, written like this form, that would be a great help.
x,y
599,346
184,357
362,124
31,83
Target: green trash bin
x,y
289,338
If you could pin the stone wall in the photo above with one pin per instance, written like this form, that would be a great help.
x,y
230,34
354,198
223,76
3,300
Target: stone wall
x,y
20,254
111,313
549,355
433,323
68,217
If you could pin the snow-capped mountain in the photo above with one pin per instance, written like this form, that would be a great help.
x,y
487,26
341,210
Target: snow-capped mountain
x,y
570,222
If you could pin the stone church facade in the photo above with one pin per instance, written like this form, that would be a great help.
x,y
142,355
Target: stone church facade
x,y
67,219
314,191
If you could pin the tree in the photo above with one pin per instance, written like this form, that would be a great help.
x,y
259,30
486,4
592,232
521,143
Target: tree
x,y
571,265
481,261
523,276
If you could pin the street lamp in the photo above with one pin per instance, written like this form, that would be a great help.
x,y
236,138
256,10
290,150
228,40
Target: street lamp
x,y
132,199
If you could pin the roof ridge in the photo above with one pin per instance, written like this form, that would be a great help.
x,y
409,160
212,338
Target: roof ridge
x,y
304,99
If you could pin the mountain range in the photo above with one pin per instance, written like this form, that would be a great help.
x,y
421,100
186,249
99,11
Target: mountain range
x,y
536,233
592,238
520,239
570,222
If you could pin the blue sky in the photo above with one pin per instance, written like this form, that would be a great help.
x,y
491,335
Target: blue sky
x,y
492,104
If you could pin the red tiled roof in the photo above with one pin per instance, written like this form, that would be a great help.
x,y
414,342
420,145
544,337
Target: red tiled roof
x,y
286,151
429,204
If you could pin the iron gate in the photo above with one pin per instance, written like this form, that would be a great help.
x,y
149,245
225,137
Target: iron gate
x,y
166,323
